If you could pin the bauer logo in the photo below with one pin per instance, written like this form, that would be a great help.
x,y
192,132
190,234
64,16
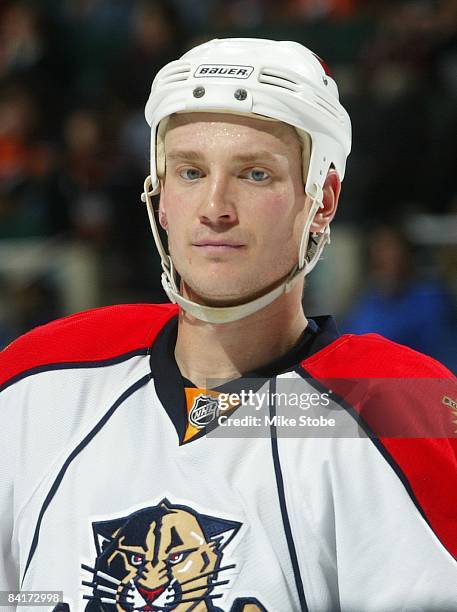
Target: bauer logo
x,y
228,71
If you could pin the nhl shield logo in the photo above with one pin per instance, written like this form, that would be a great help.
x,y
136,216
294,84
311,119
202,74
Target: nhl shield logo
x,y
204,410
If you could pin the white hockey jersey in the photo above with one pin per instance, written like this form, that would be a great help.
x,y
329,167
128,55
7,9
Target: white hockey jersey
x,y
125,488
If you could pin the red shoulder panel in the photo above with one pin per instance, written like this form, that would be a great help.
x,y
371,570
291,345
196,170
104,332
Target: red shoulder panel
x,y
93,335
371,355
409,401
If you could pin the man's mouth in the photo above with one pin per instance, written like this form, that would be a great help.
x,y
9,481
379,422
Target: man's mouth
x,y
217,246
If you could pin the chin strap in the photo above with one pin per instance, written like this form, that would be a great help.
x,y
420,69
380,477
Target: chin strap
x,y
307,259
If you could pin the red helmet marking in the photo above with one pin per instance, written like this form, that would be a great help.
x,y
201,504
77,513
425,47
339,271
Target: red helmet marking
x,y
323,64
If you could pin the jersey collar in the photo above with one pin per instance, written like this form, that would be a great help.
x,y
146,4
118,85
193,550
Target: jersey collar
x,y
176,393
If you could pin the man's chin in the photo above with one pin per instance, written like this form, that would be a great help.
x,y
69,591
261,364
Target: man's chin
x,y
224,299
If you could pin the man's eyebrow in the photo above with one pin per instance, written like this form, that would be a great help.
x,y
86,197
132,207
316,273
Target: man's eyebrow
x,y
187,155
240,157
256,156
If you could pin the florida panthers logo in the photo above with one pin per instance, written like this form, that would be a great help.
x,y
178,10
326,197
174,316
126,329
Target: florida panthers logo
x,y
164,557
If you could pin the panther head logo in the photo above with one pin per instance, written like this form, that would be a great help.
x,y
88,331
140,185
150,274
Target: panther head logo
x,y
164,557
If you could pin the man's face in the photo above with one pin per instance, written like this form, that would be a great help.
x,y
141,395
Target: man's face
x,y
233,204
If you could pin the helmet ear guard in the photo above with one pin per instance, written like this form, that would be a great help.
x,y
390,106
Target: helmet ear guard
x,y
160,150
289,84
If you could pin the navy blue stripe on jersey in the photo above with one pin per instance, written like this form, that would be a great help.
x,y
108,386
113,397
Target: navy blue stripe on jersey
x,y
73,365
283,505
369,433
53,490
167,377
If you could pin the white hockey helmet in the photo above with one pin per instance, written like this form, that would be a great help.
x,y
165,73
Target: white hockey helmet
x,y
279,80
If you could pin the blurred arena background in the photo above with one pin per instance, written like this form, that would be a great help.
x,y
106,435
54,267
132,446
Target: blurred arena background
x,y
74,78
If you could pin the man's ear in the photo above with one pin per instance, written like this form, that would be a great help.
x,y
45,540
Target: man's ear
x,y
162,214
331,191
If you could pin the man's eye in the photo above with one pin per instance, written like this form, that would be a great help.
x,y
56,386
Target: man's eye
x,y
190,174
258,175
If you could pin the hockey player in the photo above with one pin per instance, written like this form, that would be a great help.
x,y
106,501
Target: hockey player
x,y
225,452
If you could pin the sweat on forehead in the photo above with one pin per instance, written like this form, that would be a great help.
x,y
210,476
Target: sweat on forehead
x,y
282,131
278,128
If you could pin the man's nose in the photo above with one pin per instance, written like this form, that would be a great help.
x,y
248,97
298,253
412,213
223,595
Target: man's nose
x,y
218,204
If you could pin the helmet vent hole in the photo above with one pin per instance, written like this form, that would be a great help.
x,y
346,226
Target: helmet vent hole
x,y
175,74
327,107
279,79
